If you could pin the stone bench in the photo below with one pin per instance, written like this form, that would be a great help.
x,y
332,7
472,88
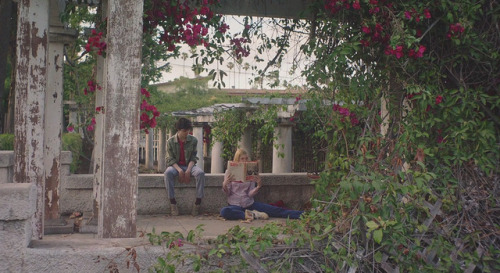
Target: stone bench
x,y
294,189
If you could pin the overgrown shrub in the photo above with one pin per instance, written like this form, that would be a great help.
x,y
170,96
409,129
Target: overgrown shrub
x,y
73,142
7,142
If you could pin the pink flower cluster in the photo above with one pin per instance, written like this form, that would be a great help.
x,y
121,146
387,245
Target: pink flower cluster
x,y
91,126
379,32
95,42
91,87
399,51
439,99
414,14
148,113
239,48
174,244
455,31
223,28
344,112
184,23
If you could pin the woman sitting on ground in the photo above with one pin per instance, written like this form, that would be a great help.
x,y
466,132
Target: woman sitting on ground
x,y
240,198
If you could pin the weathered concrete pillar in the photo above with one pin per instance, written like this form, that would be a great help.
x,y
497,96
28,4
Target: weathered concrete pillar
x,y
119,174
31,83
217,160
162,149
100,98
198,133
149,150
246,142
58,37
282,148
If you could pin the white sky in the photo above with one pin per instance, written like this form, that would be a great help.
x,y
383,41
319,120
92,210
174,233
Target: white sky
x,y
238,77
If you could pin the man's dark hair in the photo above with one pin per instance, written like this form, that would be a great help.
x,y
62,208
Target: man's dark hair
x,y
183,123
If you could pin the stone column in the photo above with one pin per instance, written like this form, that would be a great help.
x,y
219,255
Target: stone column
x,y
162,149
282,148
198,133
119,174
217,160
246,142
31,84
58,37
97,153
149,150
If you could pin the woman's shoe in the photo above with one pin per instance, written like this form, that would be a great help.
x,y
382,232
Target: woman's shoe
x,y
249,215
260,215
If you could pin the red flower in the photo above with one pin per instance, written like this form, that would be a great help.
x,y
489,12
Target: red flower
x,y
427,13
439,99
421,50
145,92
223,28
356,5
399,52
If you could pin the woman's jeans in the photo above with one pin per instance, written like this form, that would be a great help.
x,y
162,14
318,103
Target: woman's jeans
x,y
197,172
238,213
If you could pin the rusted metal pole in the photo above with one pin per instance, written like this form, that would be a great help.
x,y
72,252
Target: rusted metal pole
x,y
31,82
119,174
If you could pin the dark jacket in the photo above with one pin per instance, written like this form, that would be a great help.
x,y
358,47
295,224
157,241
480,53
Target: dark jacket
x,y
173,150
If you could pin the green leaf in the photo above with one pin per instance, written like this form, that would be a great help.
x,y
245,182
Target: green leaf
x,y
372,225
377,236
378,256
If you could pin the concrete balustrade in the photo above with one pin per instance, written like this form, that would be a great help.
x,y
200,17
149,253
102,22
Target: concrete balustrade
x,y
294,189
6,166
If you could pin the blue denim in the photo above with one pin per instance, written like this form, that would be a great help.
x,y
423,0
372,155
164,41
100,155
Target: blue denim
x,y
238,213
197,172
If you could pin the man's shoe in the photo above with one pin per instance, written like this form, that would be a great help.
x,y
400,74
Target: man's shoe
x,y
173,210
259,215
196,210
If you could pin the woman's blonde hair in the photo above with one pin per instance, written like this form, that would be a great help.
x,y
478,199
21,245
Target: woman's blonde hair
x,y
239,153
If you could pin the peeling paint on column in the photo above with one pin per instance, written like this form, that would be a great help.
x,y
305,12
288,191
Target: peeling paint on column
x,y
31,80
52,191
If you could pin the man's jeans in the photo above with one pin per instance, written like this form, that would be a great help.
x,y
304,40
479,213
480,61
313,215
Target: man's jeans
x,y
197,172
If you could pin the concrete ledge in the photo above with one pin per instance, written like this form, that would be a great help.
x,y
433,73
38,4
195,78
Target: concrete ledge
x,y
6,159
89,255
16,201
294,189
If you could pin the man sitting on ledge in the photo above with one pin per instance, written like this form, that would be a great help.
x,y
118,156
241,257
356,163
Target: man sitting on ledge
x,y
181,160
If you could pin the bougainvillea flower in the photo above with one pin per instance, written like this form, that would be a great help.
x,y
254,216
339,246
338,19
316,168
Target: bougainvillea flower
x,y
427,14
